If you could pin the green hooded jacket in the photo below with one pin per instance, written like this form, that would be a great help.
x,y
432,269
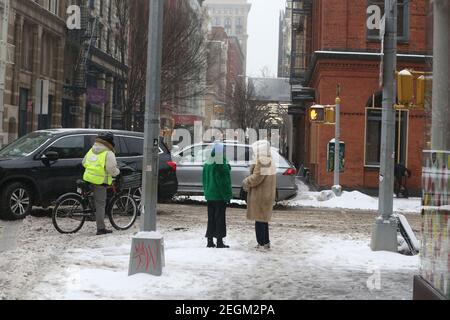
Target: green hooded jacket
x,y
217,179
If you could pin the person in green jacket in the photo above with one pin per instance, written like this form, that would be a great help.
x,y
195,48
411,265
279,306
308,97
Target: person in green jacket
x,y
218,192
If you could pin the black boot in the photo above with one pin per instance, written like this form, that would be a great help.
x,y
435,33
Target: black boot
x,y
211,243
103,231
221,245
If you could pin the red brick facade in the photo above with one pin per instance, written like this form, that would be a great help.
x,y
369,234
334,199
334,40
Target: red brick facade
x,y
339,27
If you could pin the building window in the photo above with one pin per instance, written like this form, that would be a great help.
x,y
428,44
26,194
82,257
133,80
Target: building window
x,y
110,8
375,11
108,42
228,25
53,6
27,48
373,136
23,111
100,37
48,56
239,25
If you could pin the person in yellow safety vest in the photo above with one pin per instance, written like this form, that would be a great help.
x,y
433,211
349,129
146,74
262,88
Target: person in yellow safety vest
x,y
101,166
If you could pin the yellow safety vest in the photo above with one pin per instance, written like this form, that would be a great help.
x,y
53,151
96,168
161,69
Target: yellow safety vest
x,y
95,165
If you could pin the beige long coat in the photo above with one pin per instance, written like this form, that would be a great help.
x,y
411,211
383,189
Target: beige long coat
x,y
261,187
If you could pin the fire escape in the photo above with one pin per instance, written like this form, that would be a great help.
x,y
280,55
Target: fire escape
x,y
301,50
301,39
84,40
301,53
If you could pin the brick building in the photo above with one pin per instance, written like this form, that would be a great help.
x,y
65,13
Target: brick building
x,y
216,77
36,32
226,70
54,77
232,15
95,67
334,43
235,72
6,58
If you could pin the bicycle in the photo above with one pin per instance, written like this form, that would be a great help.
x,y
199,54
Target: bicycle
x,y
73,209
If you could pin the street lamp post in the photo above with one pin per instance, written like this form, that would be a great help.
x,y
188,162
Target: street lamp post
x,y
337,189
148,245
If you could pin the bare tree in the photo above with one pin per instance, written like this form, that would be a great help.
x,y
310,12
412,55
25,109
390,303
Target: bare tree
x,y
184,60
184,52
122,42
244,110
137,60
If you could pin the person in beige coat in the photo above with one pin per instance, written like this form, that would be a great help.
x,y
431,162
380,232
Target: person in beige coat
x,y
261,191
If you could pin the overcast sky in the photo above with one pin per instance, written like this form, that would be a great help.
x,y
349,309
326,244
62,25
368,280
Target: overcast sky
x,y
263,36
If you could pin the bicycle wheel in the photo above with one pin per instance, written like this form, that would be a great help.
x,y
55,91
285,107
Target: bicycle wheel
x,y
69,214
122,211
137,195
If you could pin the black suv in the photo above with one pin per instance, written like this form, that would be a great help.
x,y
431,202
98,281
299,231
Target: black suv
x,y
38,168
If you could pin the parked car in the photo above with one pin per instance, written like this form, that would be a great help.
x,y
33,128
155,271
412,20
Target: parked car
x,y
190,162
41,166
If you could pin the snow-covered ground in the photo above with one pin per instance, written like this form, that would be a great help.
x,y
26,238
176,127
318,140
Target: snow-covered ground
x,y
312,257
354,200
312,267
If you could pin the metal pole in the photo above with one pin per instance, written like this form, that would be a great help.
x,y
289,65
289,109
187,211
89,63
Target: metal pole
x,y
440,128
152,120
290,136
384,236
337,189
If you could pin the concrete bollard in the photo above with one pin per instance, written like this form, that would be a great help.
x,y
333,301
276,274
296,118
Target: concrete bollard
x,y
147,254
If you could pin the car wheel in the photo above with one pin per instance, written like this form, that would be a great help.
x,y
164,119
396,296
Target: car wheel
x,y
16,201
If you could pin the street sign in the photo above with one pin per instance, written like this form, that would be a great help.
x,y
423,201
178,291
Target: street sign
x,y
330,156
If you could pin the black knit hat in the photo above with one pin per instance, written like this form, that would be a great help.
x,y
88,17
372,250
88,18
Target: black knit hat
x,y
107,137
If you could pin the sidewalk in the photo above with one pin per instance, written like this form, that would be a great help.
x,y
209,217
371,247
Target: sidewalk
x,y
313,256
8,235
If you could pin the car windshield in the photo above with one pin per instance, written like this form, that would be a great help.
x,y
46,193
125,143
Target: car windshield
x,y
25,145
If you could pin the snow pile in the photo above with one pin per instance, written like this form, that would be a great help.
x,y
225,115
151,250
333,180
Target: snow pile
x,y
354,200
348,200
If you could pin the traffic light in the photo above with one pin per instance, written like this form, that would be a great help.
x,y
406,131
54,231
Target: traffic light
x,y
405,87
317,114
322,114
421,87
330,115
423,84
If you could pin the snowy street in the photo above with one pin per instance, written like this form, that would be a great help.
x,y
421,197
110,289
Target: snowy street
x,y
315,254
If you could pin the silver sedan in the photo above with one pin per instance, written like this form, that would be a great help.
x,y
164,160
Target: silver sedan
x,y
190,162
